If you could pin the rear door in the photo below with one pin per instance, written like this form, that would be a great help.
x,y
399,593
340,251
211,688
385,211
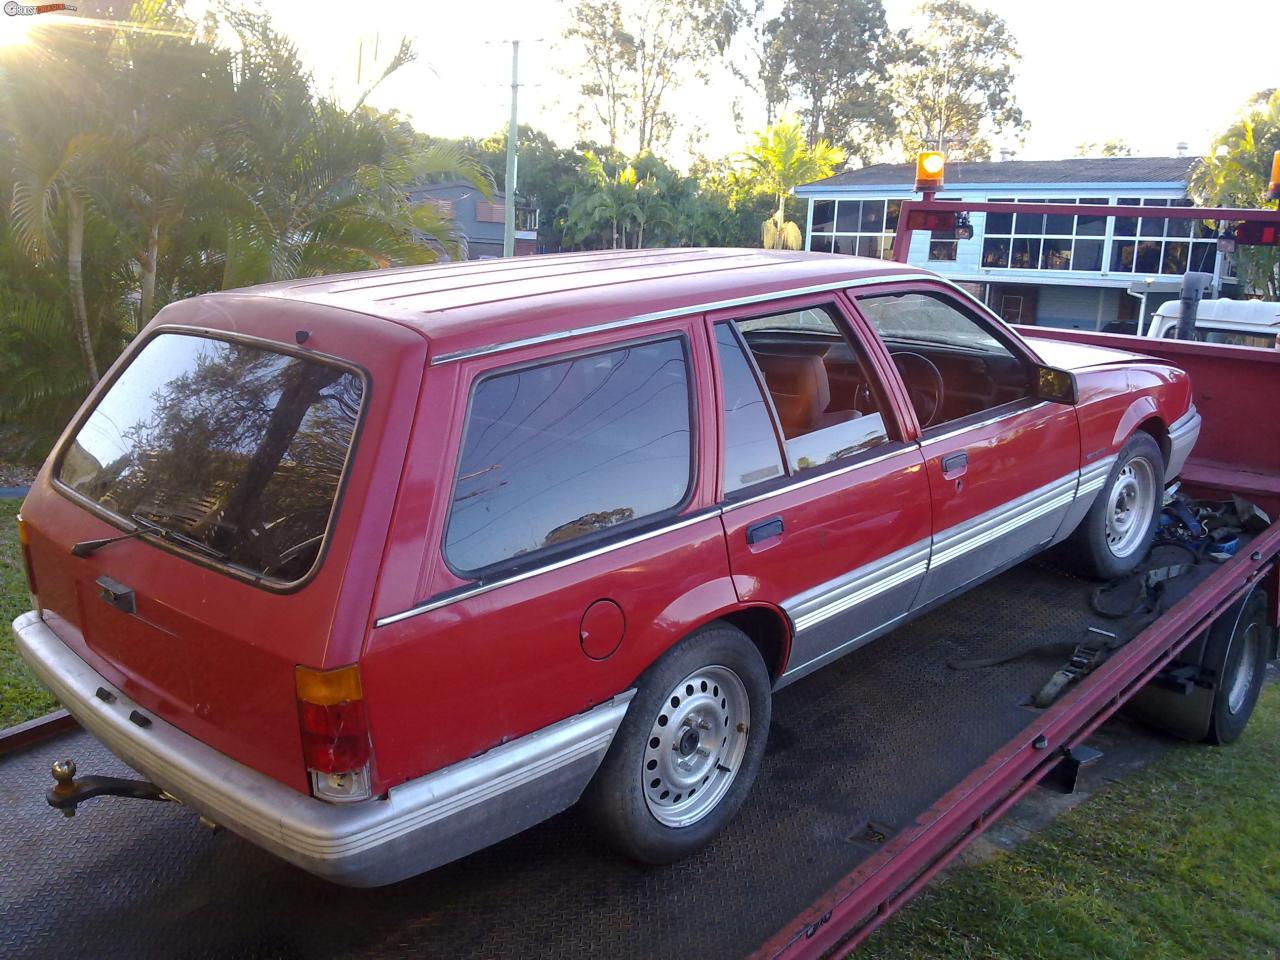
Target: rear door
x,y
1002,465
825,502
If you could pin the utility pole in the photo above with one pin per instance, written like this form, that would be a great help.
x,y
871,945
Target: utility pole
x,y
509,208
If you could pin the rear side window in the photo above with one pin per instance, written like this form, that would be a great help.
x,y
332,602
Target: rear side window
x,y
231,450
751,453
559,451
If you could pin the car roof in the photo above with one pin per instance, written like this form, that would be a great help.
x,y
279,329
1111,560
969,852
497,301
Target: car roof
x,y
468,305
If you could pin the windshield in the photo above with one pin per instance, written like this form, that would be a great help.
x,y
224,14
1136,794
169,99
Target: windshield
x,y
233,450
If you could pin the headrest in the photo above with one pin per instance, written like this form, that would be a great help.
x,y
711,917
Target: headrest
x,y
800,389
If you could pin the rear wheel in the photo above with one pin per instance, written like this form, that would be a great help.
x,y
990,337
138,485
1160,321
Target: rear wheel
x,y
1237,651
688,750
1116,533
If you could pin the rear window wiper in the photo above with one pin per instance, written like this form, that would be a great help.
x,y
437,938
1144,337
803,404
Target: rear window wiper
x,y
86,547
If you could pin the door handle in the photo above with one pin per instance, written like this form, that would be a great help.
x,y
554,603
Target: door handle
x,y
954,465
764,530
116,594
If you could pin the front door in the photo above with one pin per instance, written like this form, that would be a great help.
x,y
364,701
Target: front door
x,y
825,504
1002,465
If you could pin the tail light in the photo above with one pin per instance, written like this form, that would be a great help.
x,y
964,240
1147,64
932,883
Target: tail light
x,y
335,732
24,540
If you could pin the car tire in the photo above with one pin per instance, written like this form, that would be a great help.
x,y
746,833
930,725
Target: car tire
x,y
687,751
1237,650
1116,534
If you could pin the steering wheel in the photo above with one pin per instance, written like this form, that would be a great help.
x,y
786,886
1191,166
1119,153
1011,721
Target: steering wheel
x,y
927,400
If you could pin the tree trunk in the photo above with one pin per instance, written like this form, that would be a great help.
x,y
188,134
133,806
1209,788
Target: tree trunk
x,y
149,275
75,277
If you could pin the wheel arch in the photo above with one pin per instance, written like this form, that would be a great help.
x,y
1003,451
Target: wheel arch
x,y
1159,431
769,629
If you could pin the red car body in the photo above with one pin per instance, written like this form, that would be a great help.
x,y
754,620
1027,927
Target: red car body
x,y
455,669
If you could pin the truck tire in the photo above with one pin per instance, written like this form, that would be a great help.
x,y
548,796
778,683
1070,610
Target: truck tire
x,y
687,752
1237,650
1116,533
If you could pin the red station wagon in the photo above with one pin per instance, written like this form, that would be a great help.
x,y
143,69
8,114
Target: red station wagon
x,y
376,570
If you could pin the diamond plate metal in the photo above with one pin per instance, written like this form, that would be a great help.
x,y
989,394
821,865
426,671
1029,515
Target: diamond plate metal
x,y
873,739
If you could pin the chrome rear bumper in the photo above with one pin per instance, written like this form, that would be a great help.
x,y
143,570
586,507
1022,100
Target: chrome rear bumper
x,y
418,825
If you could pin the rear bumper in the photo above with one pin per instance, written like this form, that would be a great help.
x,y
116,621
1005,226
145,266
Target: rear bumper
x,y
418,825
1182,438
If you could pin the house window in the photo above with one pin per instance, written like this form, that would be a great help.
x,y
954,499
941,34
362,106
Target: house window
x,y
857,228
489,212
942,249
1056,241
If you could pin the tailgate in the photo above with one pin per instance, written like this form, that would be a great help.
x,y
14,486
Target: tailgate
x,y
191,535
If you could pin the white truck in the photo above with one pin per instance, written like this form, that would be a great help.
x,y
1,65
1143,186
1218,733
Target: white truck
x,y
1243,323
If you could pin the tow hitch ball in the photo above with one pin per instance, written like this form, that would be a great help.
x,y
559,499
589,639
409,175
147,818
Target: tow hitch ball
x,y
68,792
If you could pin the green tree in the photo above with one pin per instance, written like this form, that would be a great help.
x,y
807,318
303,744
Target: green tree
x,y
636,56
782,160
833,58
1236,174
954,85
1115,147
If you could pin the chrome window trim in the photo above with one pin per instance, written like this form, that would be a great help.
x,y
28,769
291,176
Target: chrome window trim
x,y
927,441
692,308
903,447
482,588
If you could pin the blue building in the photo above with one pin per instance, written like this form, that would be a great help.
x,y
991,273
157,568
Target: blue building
x,y
477,221
1087,272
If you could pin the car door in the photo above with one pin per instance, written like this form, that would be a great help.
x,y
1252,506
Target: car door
x,y
1002,465
825,502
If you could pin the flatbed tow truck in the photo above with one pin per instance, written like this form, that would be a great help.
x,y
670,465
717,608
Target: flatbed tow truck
x,y
879,771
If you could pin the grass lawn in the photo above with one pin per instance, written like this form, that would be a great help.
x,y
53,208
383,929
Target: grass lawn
x,y
1179,860
21,698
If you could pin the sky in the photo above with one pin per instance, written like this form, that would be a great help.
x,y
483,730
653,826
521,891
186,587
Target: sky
x,y
1151,73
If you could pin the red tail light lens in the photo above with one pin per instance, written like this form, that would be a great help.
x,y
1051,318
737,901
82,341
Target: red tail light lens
x,y
335,732
24,540
335,737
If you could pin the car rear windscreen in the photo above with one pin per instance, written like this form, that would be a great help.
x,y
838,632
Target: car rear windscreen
x,y
227,449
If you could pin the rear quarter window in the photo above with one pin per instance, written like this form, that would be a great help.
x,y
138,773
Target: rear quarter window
x,y
561,451
229,450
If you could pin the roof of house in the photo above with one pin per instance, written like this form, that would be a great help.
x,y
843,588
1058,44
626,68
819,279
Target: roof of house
x,y
470,305
1095,170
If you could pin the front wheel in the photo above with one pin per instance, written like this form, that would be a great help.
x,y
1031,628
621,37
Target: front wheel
x,y
688,750
1116,533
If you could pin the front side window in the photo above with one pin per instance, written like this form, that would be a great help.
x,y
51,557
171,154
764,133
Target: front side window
x,y
820,387
559,451
232,450
951,365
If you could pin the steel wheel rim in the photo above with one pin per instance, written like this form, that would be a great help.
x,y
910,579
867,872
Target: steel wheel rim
x,y
1243,678
695,746
1132,504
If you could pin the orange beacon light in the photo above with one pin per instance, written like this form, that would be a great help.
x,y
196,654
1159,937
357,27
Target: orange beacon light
x,y
930,171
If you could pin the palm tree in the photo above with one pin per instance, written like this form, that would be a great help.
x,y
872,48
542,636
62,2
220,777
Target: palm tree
x,y
49,202
325,190
782,160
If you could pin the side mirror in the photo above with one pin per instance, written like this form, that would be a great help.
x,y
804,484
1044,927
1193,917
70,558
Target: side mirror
x,y
1056,386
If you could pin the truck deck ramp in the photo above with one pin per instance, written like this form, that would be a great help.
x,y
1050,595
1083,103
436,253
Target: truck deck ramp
x,y
857,751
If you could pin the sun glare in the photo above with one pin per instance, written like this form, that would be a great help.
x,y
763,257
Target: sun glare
x,y
15,30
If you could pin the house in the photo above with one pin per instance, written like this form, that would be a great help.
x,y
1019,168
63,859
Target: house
x,y
1087,272
479,222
